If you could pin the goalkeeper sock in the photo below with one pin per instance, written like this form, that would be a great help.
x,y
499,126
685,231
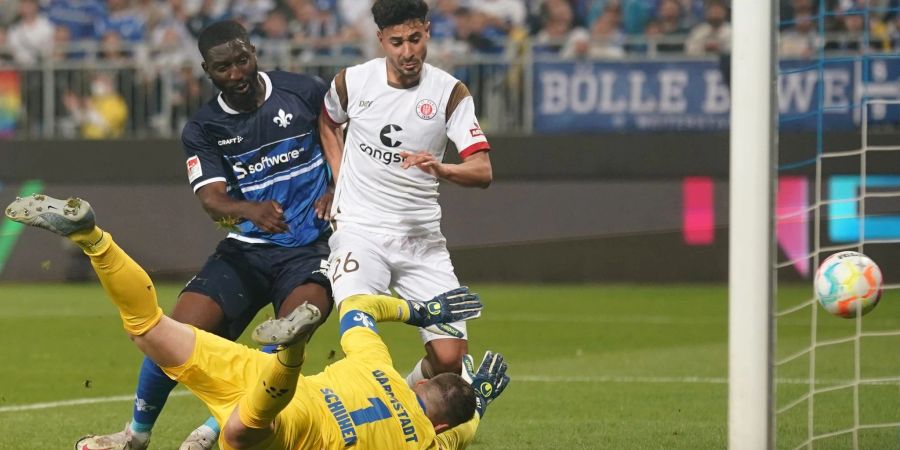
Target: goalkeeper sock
x,y
274,389
91,241
125,282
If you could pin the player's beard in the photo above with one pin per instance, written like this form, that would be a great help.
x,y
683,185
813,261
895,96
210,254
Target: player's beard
x,y
252,82
247,100
411,75
410,72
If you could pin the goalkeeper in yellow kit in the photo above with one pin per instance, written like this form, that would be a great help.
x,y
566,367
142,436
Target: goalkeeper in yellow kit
x,y
262,399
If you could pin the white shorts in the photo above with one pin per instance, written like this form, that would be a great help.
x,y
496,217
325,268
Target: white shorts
x,y
416,268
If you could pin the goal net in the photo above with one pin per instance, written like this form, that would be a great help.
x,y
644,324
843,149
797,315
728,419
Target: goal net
x,y
836,382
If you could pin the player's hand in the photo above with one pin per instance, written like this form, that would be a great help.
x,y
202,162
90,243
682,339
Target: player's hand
x,y
488,381
425,161
453,306
268,216
323,204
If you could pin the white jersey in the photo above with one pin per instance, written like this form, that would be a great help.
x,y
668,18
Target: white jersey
x,y
372,189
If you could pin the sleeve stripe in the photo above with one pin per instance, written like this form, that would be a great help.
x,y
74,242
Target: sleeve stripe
x,y
209,181
340,85
328,116
460,91
474,148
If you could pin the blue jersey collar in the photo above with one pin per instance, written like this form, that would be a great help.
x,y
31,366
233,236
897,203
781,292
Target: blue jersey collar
x,y
421,403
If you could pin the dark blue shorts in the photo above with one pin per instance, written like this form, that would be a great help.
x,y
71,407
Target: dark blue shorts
x,y
243,278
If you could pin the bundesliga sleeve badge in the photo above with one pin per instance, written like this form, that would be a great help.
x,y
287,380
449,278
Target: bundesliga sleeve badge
x,y
194,170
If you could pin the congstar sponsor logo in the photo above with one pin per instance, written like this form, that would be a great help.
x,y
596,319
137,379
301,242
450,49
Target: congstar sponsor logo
x,y
242,169
384,156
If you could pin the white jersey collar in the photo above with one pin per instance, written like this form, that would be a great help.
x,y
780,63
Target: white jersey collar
x,y
266,81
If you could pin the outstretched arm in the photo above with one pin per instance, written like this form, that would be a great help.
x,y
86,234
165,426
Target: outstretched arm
x,y
465,132
452,306
488,381
221,207
474,171
361,312
207,174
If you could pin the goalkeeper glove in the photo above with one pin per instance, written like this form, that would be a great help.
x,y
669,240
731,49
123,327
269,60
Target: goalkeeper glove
x,y
488,381
453,306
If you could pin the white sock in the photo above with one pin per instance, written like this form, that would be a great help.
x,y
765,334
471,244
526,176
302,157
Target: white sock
x,y
142,435
207,432
416,375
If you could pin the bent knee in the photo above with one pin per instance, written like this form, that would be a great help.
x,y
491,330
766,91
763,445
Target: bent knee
x,y
233,433
447,359
239,436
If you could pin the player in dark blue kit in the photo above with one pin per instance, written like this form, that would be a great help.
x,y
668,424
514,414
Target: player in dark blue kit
x,y
255,162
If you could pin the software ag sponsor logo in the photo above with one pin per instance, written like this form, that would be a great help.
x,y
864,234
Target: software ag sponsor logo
x,y
242,169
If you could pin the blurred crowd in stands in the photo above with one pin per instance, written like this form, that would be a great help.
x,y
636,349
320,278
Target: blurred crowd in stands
x,y
163,32
151,44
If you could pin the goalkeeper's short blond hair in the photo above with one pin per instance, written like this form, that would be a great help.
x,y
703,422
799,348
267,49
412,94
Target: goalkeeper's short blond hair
x,y
454,399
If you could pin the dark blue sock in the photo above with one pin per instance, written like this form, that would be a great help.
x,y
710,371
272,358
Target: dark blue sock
x,y
152,392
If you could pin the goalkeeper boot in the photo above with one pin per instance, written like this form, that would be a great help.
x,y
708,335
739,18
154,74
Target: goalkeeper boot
x,y
62,217
297,326
202,438
123,440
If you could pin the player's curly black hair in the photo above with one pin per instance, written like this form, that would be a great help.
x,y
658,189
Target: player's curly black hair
x,y
220,33
395,12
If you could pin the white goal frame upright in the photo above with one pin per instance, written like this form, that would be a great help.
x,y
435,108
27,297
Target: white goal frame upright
x,y
753,161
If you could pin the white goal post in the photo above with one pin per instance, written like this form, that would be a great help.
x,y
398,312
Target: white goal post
x,y
753,159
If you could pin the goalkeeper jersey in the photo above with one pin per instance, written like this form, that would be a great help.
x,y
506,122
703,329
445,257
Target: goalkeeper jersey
x,y
271,153
367,403
360,402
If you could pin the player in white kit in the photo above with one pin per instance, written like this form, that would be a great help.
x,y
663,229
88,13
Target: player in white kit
x,y
399,113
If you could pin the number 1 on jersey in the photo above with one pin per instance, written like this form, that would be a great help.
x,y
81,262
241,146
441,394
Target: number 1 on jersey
x,y
378,411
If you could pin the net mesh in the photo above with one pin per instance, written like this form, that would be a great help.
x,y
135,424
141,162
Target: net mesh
x,y
837,381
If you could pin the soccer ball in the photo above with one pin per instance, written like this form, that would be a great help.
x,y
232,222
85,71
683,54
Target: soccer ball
x,y
847,283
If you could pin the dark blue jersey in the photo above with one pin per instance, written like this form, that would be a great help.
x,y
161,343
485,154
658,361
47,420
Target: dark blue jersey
x,y
271,153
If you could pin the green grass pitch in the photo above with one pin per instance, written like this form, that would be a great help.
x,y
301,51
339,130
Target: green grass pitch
x,y
593,366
